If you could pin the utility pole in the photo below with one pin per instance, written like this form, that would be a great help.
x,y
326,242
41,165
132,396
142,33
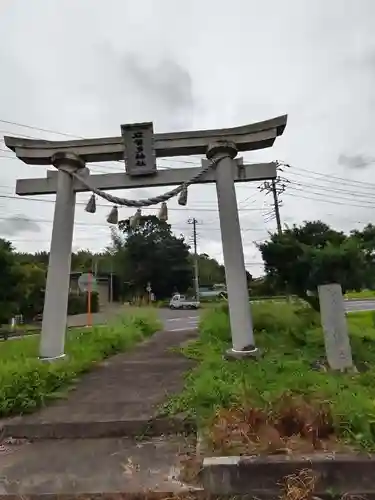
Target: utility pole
x,y
276,206
276,187
194,222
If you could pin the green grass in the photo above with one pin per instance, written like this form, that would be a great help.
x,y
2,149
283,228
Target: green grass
x,y
27,383
291,340
363,294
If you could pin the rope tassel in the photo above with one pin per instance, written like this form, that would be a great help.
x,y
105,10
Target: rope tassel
x,y
91,205
182,199
134,219
163,212
113,216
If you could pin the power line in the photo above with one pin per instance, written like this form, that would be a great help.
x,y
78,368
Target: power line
x,y
48,131
335,199
337,190
89,224
326,176
332,202
199,209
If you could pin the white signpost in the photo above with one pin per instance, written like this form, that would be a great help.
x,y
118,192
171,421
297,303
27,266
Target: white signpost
x,y
149,290
139,147
87,283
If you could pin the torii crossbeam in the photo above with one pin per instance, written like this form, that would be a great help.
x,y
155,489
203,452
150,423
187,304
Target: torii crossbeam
x,y
70,159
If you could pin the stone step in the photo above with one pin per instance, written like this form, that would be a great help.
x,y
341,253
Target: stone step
x,y
87,426
336,474
94,466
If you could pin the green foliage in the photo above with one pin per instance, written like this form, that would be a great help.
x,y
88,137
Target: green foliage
x,y
11,281
27,384
210,271
304,257
366,240
291,342
31,300
150,252
363,294
78,303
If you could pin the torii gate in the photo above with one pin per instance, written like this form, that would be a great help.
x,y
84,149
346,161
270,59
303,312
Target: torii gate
x,y
140,147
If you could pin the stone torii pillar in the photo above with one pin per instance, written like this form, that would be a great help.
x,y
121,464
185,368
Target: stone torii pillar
x,y
70,157
58,277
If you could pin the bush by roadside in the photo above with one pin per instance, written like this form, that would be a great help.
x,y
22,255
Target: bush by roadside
x,y
27,384
77,303
287,380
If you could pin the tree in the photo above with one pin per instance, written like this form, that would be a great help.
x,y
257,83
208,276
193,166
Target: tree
x,y
150,253
210,271
33,284
11,281
366,240
304,257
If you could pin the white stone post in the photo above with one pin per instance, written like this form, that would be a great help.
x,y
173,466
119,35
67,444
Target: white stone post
x,y
58,279
335,328
235,272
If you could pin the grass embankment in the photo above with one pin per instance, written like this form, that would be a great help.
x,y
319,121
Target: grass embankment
x,y
363,294
27,384
282,402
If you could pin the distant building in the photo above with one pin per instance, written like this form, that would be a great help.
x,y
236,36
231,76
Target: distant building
x,y
104,283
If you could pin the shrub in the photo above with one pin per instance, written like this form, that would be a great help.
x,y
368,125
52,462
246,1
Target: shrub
x,y
77,303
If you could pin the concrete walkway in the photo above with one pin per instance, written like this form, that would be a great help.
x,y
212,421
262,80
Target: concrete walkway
x,y
106,436
118,398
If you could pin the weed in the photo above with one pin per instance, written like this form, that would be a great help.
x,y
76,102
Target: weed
x,y
293,398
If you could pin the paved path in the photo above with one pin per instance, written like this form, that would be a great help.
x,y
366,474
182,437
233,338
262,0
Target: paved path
x,y
111,437
119,397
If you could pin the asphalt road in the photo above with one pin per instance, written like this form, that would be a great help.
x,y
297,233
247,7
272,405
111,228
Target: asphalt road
x,y
359,305
175,321
182,320
178,321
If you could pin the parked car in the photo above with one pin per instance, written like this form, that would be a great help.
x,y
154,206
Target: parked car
x,y
181,302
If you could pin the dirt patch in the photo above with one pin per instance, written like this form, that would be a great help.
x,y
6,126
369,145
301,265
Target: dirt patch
x,y
293,426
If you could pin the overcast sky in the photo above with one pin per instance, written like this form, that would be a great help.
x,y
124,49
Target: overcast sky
x,y
84,67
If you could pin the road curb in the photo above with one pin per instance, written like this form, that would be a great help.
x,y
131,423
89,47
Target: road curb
x,y
266,475
85,430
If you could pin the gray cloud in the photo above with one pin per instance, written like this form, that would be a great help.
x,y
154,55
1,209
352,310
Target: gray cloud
x,y
355,161
16,224
128,86
167,82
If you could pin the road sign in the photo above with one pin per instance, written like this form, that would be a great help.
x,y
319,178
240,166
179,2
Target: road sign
x,y
149,287
87,282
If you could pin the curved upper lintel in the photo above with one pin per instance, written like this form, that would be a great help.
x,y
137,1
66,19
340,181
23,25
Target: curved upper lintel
x,y
247,138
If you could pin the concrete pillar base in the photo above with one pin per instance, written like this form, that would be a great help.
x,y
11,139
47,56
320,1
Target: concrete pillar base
x,y
53,359
251,352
